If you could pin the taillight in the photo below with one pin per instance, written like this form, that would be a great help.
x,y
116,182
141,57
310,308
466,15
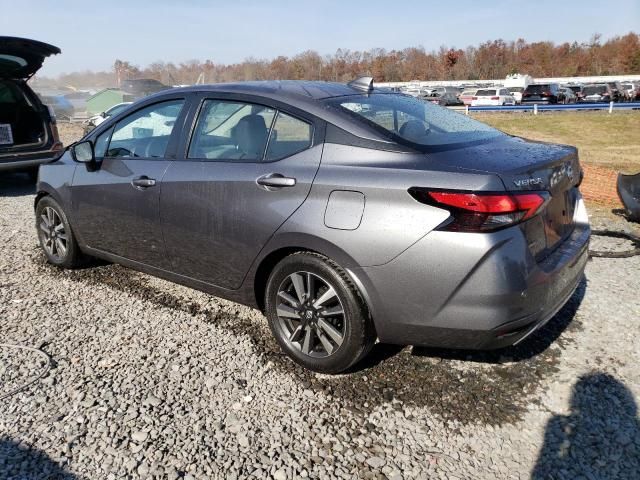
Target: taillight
x,y
474,98
495,98
482,212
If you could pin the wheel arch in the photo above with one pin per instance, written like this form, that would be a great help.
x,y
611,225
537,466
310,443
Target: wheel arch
x,y
287,244
45,190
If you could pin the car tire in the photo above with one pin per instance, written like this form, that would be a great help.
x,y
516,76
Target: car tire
x,y
324,327
55,235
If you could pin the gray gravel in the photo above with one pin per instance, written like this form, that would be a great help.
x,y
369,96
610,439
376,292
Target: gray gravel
x,y
153,380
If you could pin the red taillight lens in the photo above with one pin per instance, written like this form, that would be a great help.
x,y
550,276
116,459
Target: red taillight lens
x,y
474,98
482,212
495,98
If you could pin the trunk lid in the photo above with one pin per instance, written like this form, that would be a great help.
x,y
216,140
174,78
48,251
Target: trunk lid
x,y
20,58
525,165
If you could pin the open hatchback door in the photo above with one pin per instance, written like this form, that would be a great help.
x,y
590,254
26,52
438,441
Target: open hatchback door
x,y
20,58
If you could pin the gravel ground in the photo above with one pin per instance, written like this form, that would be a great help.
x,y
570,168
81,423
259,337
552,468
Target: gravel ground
x,y
153,380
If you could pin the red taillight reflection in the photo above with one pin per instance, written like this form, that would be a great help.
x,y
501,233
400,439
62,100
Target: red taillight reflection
x,y
481,212
501,203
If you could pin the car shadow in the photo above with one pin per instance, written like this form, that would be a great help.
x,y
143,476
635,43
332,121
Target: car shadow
x,y
21,461
599,438
16,184
533,345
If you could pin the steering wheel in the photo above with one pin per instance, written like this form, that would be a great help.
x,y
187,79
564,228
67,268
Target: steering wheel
x,y
153,142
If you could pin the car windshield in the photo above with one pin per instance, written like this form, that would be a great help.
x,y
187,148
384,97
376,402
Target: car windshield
x,y
594,89
411,119
485,93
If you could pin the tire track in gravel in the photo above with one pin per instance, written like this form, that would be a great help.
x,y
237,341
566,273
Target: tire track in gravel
x,y
489,388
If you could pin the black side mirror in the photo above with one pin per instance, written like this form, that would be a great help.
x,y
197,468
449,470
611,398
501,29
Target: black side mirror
x,y
83,152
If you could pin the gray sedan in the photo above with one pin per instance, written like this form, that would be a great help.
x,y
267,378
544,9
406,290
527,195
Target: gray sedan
x,y
346,213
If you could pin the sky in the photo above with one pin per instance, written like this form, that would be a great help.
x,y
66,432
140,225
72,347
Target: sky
x,y
93,34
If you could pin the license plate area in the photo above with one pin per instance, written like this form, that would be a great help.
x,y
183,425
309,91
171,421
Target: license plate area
x,y
559,217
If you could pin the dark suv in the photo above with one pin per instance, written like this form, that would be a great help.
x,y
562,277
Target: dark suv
x,y
542,93
28,131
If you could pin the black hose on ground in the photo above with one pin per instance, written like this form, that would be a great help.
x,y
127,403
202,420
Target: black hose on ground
x,y
616,234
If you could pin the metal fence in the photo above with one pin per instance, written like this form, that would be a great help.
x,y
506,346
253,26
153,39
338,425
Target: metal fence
x,y
542,108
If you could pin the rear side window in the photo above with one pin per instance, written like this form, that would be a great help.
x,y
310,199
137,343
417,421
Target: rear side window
x,y
288,137
231,130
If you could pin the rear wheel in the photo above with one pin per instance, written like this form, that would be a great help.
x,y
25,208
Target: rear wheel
x,y
316,314
55,235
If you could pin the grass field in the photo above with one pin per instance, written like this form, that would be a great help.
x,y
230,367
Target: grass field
x,y
605,140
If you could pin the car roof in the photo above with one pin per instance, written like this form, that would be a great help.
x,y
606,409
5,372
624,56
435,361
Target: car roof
x,y
302,94
285,90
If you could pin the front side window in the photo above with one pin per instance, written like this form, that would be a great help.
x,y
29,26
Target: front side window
x,y
413,120
145,133
289,136
231,130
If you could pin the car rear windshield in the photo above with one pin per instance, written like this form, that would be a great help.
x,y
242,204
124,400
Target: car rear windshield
x,y
538,88
411,120
485,93
516,89
594,89
575,88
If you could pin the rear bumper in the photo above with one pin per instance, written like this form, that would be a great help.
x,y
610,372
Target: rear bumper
x,y
26,161
472,291
542,101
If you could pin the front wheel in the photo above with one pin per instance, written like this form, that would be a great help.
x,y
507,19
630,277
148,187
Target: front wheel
x,y
316,314
55,235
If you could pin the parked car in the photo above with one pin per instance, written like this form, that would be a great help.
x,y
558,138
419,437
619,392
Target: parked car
x,y
542,93
492,96
630,91
567,96
28,131
61,106
577,91
516,92
596,93
467,95
618,93
345,213
96,120
443,90
444,99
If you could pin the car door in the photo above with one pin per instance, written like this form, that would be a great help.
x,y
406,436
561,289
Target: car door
x,y
116,201
246,169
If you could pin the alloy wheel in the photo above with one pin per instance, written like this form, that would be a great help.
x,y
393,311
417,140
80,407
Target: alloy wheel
x,y
54,235
311,314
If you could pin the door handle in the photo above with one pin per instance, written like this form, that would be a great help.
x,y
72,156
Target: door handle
x,y
143,182
276,180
